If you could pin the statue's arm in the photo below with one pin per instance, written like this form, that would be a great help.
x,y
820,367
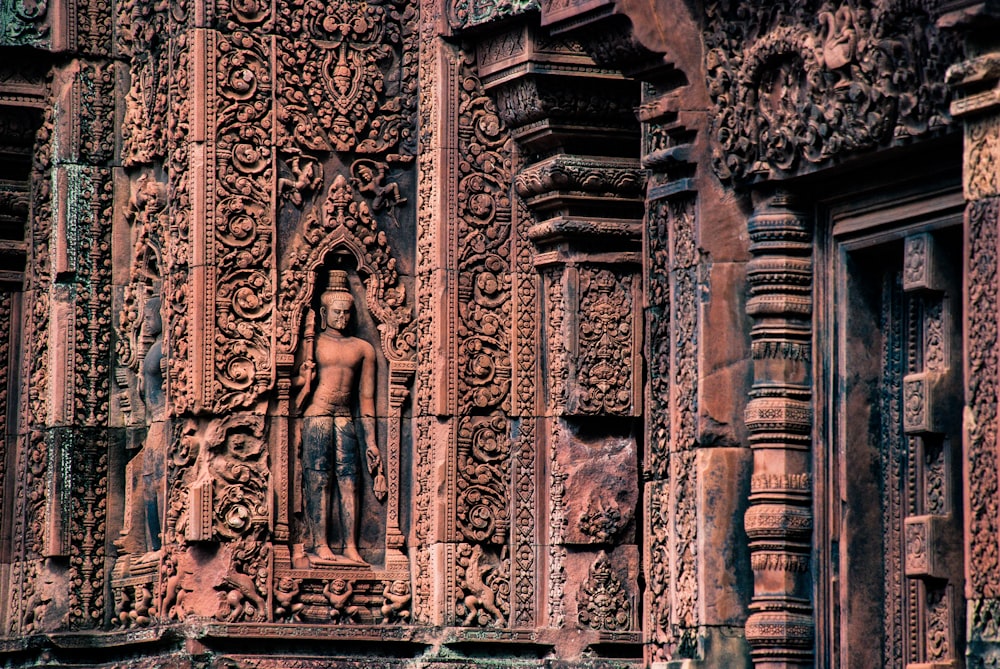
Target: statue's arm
x,y
366,396
304,381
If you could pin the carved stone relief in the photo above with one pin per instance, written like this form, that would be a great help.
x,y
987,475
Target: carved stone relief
x,y
792,87
377,322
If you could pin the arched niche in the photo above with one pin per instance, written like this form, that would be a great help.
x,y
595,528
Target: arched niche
x,y
342,233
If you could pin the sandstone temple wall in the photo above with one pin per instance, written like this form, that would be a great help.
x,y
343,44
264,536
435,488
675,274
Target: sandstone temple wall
x,y
563,333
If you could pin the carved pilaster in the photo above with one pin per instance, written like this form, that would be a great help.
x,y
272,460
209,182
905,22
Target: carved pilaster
x,y
779,418
977,105
233,272
576,244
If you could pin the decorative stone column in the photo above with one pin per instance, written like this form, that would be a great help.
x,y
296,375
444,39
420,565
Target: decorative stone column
x,y
779,419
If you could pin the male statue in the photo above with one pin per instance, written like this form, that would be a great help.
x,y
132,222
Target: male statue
x,y
337,369
144,515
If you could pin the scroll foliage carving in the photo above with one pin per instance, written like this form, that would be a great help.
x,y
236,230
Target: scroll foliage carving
x,y
483,453
93,104
177,289
481,243
981,394
658,337
243,272
29,493
673,350
23,22
791,87
483,262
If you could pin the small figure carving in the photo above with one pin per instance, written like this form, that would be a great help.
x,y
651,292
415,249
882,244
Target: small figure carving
x,y
286,595
174,592
370,179
242,600
338,592
838,40
481,597
36,609
307,178
123,609
338,368
397,601
140,613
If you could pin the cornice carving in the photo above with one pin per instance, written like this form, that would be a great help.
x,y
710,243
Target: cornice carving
x,y
617,178
464,14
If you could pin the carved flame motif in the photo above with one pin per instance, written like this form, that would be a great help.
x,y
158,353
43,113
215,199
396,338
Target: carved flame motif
x,y
603,602
338,94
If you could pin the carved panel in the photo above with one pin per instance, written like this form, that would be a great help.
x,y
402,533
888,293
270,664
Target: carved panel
x,y
223,460
235,266
672,345
793,89
482,253
24,22
177,256
981,396
526,522
480,314
354,82
593,340
434,67
606,359
982,157
88,513
603,602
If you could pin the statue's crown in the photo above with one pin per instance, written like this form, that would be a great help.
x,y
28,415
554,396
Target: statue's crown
x,y
337,282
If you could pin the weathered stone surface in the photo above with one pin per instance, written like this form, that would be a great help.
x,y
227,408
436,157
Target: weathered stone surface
x,y
608,333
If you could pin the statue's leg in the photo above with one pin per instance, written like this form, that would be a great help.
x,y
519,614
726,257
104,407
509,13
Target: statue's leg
x,y
154,481
132,539
317,434
347,484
